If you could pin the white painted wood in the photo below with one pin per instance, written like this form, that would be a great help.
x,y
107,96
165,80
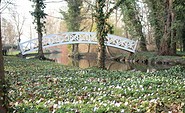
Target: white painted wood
x,y
77,37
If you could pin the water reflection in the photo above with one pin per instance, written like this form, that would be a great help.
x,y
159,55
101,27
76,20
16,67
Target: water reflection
x,y
110,65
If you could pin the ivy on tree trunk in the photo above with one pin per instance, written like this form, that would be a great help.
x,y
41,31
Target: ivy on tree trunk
x,y
39,20
132,19
73,19
103,28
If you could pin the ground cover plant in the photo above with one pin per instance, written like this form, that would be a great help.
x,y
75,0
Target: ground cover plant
x,y
47,87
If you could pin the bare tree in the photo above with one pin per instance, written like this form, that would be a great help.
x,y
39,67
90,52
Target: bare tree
x,y
8,32
53,25
19,22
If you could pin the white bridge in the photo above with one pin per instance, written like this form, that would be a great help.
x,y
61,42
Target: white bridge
x,y
77,37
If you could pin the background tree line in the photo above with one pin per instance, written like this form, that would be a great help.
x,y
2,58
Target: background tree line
x,y
157,23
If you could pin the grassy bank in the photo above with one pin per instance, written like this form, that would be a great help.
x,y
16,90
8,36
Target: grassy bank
x,y
44,87
153,58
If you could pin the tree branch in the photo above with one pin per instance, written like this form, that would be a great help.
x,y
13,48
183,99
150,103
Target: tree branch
x,y
115,7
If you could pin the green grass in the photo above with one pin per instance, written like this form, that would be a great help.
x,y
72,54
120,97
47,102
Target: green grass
x,y
46,87
14,52
181,54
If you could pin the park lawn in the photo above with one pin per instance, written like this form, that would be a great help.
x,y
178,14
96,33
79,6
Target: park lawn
x,y
46,87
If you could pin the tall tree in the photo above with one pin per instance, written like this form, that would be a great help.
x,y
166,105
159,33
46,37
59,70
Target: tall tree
x,y
179,8
3,97
168,43
3,109
163,18
156,9
2,76
101,17
73,19
39,20
133,19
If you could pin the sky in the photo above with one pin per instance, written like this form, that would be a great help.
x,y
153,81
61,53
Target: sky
x,y
25,6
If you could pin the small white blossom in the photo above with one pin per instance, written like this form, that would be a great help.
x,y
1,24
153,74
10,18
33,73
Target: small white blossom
x,y
95,108
126,103
117,104
122,111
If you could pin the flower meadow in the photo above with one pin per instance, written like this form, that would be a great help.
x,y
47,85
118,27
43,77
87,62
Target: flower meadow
x,y
46,87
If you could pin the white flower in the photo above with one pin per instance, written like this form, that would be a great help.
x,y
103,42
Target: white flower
x,y
122,111
59,102
119,87
117,104
55,106
140,86
59,106
16,104
53,111
95,108
138,110
104,104
126,103
142,89
153,101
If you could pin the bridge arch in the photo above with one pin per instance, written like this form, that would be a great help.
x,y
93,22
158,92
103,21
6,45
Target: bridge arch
x,y
77,37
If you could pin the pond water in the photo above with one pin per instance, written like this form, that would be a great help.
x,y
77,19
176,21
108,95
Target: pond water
x,y
110,65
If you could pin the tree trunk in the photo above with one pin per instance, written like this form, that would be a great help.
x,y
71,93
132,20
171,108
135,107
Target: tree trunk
x,y
39,32
133,15
100,18
101,52
183,45
183,40
168,44
91,27
3,108
108,51
40,49
102,29
143,43
140,33
173,29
